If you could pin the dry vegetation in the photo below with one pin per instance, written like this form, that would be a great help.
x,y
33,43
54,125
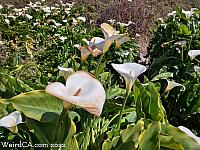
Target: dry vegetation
x,y
142,13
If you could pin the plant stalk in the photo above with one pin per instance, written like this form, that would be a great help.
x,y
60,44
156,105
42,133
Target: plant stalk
x,y
100,60
122,110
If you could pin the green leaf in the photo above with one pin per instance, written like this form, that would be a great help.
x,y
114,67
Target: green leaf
x,y
41,130
73,114
34,104
181,137
157,111
70,141
148,103
86,140
114,92
130,137
149,139
107,145
165,75
169,142
184,29
3,111
132,132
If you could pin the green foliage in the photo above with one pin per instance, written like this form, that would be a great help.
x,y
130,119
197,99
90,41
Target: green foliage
x,y
171,42
168,49
41,38
148,103
34,104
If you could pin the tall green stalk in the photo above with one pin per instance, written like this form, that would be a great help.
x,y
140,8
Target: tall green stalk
x,y
122,110
98,65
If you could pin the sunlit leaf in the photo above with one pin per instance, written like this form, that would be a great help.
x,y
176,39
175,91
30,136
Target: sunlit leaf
x,y
34,104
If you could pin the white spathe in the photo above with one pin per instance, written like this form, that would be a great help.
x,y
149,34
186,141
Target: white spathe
x,y
62,38
82,90
104,44
65,72
82,19
11,121
109,31
130,72
98,45
189,133
172,84
193,53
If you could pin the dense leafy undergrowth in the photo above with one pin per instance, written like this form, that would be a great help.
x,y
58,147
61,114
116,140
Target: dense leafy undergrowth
x,y
87,105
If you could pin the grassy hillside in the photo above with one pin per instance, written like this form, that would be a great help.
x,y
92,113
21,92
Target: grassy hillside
x,y
142,13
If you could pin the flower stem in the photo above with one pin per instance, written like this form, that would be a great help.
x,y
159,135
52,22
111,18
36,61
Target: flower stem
x,y
182,54
98,65
122,110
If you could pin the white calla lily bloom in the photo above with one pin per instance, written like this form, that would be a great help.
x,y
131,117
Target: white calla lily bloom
x,y
11,121
82,19
65,72
130,72
29,16
81,89
189,133
196,68
7,21
193,53
172,84
62,38
109,32
97,46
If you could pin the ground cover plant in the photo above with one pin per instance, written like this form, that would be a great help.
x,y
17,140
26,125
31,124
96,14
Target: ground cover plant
x,y
172,53
65,84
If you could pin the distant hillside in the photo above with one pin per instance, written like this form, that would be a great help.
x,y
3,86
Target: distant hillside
x,y
142,13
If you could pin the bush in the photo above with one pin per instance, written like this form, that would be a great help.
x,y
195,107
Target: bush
x,y
169,49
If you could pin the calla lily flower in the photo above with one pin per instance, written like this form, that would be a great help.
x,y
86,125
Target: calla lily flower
x,y
85,52
104,44
97,46
196,68
11,121
81,89
62,38
65,72
193,53
172,84
82,19
130,72
125,24
109,31
189,133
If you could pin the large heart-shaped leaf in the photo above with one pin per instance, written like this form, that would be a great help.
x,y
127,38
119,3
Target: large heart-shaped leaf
x,y
36,103
181,137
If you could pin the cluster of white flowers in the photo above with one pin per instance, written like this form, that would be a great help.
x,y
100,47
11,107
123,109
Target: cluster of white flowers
x,y
125,24
112,21
187,13
48,11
